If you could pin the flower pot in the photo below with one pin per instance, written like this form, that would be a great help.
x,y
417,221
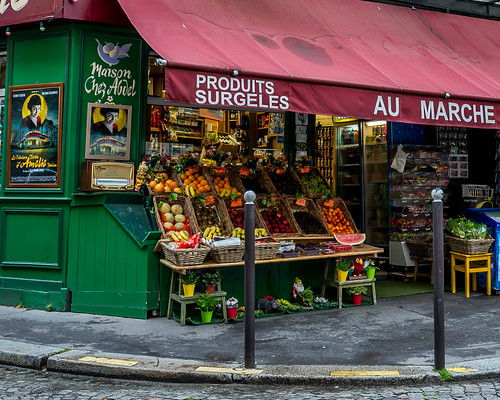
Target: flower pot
x,y
231,312
188,290
206,316
342,275
210,288
356,299
370,272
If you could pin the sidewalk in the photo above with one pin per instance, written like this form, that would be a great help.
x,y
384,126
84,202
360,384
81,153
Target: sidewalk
x,y
393,338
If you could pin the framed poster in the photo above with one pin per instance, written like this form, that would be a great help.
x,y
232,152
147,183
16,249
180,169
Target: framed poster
x,y
34,135
108,132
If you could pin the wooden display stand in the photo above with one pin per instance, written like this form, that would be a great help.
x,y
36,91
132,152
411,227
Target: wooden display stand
x,y
472,264
340,285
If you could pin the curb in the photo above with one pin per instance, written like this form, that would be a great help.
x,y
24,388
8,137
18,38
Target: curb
x,y
124,366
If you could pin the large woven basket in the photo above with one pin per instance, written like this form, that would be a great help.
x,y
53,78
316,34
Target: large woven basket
x,y
203,172
424,249
470,246
259,182
313,171
283,208
222,214
289,190
313,210
184,257
226,254
338,203
187,211
266,251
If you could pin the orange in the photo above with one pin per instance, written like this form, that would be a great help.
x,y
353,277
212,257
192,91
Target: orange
x,y
172,185
152,184
207,188
227,186
160,188
200,178
187,173
167,189
183,176
204,182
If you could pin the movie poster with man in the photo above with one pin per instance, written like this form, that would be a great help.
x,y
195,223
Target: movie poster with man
x,y
35,118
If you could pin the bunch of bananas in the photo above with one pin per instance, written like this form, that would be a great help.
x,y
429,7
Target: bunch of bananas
x,y
239,233
211,231
260,232
190,191
226,193
178,236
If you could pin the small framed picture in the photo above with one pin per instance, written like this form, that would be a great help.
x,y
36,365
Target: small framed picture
x,y
108,132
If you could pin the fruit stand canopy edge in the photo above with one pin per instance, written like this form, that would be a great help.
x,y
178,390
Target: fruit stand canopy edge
x,y
401,64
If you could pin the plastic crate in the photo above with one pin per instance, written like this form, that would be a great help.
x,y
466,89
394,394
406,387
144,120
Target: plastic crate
x,y
477,191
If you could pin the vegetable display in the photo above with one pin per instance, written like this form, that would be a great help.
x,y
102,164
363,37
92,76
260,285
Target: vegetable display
x,y
466,229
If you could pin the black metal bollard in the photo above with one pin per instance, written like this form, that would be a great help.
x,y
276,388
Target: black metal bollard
x,y
438,256
249,279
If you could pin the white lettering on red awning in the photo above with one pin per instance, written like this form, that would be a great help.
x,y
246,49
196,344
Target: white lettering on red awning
x,y
455,112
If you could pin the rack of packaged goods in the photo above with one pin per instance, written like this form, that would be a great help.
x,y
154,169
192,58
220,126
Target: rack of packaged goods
x,y
348,180
270,132
426,168
325,153
375,185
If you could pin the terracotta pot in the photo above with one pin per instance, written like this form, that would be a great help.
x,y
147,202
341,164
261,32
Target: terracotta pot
x,y
210,288
231,312
356,299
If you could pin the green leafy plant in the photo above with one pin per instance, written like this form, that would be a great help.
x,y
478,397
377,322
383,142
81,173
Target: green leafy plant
x,y
205,302
466,229
343,264
190,278
210,278
308,295
445,375
357,290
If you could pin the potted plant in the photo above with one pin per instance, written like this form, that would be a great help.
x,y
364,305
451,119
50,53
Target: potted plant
x,y
188,283
370,269
343,267
206,304
210,280
357,292
232,307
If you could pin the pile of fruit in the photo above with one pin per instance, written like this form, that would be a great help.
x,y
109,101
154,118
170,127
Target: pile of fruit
x,y
162,184
285,183
194,183
207,217
336,220
308,224
240,233
211,231
314,183
237,216
275,221
174,223
224,188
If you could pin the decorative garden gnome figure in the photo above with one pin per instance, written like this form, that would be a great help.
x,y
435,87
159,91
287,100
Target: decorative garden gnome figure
x,y
298,288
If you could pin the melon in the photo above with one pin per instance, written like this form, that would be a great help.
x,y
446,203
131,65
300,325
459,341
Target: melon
x,y
351,239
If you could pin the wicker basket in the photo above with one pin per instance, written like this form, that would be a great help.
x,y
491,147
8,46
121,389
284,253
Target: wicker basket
x,y
314,211
226,254
259,183
313,171
470,246
292,189
233,179
266,251
184,257
187,211
220,208
338,203
283,208
203,172
171,175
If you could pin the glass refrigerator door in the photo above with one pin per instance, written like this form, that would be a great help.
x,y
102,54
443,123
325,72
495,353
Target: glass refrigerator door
x,y
375,182
348,169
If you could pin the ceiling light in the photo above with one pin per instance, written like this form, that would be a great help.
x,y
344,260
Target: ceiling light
x,y
376,123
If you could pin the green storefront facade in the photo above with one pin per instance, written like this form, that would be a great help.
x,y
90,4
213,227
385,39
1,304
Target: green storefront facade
x,y
63,249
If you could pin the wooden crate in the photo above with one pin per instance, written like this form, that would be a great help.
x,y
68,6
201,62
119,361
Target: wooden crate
x,y
291,189
220,208
313,210
313,171
282,207
338,203
259,182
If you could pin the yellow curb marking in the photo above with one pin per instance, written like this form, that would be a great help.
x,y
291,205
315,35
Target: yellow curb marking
x,y
364,373
459,369
111,361
241,371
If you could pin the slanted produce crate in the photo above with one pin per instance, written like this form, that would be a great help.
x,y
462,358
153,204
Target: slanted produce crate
x,y
274,211
237,215
257,182
188,212
285,184
217,209
308,217
313,182
224,182
200,180
168,174
337,207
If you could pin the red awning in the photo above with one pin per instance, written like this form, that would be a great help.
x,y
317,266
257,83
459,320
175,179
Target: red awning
x,y
339,57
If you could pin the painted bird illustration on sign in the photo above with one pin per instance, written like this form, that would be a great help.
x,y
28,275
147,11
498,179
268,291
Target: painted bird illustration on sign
x,y
111,53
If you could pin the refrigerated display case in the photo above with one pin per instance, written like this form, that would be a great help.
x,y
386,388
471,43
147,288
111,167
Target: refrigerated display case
x,y
491,218
348,159
375,182
324,157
